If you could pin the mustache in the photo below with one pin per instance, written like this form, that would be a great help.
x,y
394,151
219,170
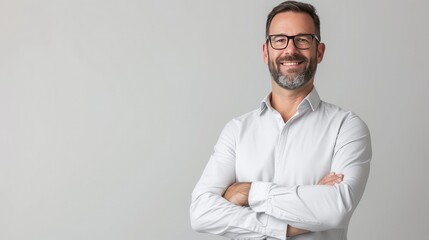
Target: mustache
x,y
295,57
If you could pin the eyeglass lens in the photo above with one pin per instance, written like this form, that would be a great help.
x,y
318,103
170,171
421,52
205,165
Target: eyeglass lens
x,y
300,41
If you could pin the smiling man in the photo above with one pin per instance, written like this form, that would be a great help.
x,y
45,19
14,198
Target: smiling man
x,y
296,166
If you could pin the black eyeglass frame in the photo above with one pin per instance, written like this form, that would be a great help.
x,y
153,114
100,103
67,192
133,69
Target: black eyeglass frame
x,y
313,36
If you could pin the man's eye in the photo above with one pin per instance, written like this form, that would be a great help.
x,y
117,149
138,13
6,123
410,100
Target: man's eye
x,y
301,40
280,40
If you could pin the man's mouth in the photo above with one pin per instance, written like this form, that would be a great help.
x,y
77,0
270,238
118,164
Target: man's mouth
x,y
290,63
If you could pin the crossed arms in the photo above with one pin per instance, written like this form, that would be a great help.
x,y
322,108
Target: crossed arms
x,y
238,194
268,210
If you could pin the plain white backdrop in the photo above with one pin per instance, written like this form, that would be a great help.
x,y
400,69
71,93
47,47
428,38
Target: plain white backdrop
x,y
110,109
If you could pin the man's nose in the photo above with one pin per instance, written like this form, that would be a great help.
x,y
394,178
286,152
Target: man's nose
x,y
290,47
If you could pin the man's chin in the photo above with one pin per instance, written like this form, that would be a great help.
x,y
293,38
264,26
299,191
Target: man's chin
x,y
289,78
291,83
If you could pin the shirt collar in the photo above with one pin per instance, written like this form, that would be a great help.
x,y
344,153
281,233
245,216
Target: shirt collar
x,y
312,100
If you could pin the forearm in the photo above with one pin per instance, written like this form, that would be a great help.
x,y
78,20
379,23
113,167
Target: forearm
x,y
320,208
211,213
313,208
238,194
330,179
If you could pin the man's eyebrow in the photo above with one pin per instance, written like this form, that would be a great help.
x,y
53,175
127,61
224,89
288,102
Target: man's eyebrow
x,y
302,33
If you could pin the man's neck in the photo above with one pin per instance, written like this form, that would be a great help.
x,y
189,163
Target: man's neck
x,y
286,101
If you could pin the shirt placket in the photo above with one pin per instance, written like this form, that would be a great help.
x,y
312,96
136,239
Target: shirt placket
x,y
280,149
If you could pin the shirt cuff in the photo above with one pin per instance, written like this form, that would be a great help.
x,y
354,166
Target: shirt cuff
x,y
276,228
258,196
261,223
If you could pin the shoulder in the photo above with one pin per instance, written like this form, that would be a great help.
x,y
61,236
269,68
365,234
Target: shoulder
x,y
236,124
232,130
346,120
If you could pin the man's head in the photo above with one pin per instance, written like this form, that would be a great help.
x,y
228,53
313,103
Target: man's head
x,y
298,7
292,49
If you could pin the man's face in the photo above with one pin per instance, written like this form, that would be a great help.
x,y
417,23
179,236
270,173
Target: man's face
x,y
291,68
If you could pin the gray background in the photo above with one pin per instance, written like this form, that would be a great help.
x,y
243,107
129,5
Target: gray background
x,y
110,109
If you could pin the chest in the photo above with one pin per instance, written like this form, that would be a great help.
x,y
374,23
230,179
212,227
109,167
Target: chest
x,y
289,156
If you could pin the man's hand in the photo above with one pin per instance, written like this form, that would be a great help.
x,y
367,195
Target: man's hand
x,y
238,193
292,232
331,179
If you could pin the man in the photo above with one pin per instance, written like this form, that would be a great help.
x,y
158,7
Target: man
x,y
294,167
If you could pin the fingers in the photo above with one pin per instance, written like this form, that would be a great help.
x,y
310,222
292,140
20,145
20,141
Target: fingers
x,y
238,193
229,192
331,179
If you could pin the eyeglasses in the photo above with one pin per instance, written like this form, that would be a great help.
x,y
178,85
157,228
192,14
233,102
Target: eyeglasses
x,y
301,41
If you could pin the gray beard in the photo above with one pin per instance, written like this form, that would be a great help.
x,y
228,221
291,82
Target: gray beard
x,y
292,83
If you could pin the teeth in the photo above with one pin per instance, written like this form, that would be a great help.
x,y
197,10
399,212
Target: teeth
x,y
290,63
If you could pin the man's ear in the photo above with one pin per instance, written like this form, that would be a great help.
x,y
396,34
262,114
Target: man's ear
x,y
320,52
265,52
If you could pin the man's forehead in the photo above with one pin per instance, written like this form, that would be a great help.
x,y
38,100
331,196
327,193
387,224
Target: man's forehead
x,y
292,23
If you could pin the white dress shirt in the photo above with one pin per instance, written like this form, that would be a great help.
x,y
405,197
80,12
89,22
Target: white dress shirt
x,y
284,162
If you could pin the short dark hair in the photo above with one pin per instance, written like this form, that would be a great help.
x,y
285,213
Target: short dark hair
x,y
293,6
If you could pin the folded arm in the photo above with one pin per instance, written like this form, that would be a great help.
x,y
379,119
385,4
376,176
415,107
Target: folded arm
x,y
320,207
238,194
274,208
211,213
